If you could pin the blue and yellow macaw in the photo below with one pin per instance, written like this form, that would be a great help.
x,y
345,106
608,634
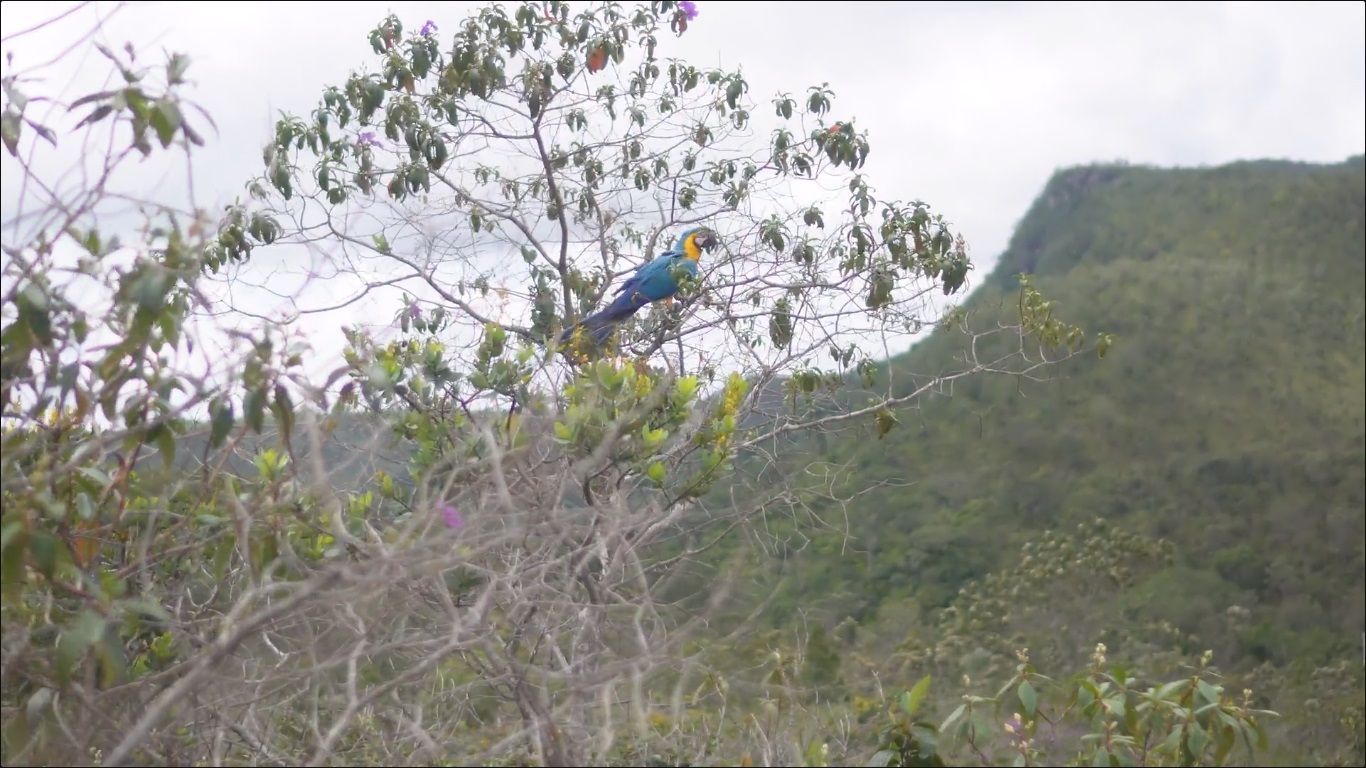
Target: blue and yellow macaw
x,y
653,282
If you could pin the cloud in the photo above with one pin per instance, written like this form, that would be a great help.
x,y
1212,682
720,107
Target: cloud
x,y
971,106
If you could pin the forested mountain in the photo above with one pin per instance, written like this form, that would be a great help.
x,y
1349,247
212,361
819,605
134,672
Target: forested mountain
x,y
1227,420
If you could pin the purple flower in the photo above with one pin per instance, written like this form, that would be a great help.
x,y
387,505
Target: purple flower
x,y
689,9
452,516
368,139
428,28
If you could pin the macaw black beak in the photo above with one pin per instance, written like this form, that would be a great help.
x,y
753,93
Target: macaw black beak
x,y
706,241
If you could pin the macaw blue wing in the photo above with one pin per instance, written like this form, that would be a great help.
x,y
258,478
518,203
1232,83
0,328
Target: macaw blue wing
x,y
645,273
652,282
657,279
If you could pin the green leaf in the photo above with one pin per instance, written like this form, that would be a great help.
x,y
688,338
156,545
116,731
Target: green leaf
x,y
1116,704
113,663
253,410
1172,742
913,699
653,437
882,758
69,652
85,508
12,529
780,324
953,717
16,733
222,421
12,558
1169,690
222,555
44,547
1209,692
95,475
1028,698
656,472
815,754
166,445
885,421
47,133
1223,744
98,114
1103,344
37,705
284,410
33,309
1196,740
87,630
263,553
112,584
164,646
175,68
1261,735
10,126
165,119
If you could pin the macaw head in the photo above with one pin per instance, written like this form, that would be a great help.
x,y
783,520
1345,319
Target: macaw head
x,y
696,240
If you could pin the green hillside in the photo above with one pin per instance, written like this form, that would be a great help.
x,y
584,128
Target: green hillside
x,y
1227,419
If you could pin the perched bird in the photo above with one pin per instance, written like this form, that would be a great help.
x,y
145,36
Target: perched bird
x,y
653,282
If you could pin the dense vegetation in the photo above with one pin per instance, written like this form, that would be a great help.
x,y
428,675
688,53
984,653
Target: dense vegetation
x,y
734,538
1226,420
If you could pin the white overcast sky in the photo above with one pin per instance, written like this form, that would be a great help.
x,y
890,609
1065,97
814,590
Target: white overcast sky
x,y
971,106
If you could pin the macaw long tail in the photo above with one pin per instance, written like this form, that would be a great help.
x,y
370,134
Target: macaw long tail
x,y
599,326
602,324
